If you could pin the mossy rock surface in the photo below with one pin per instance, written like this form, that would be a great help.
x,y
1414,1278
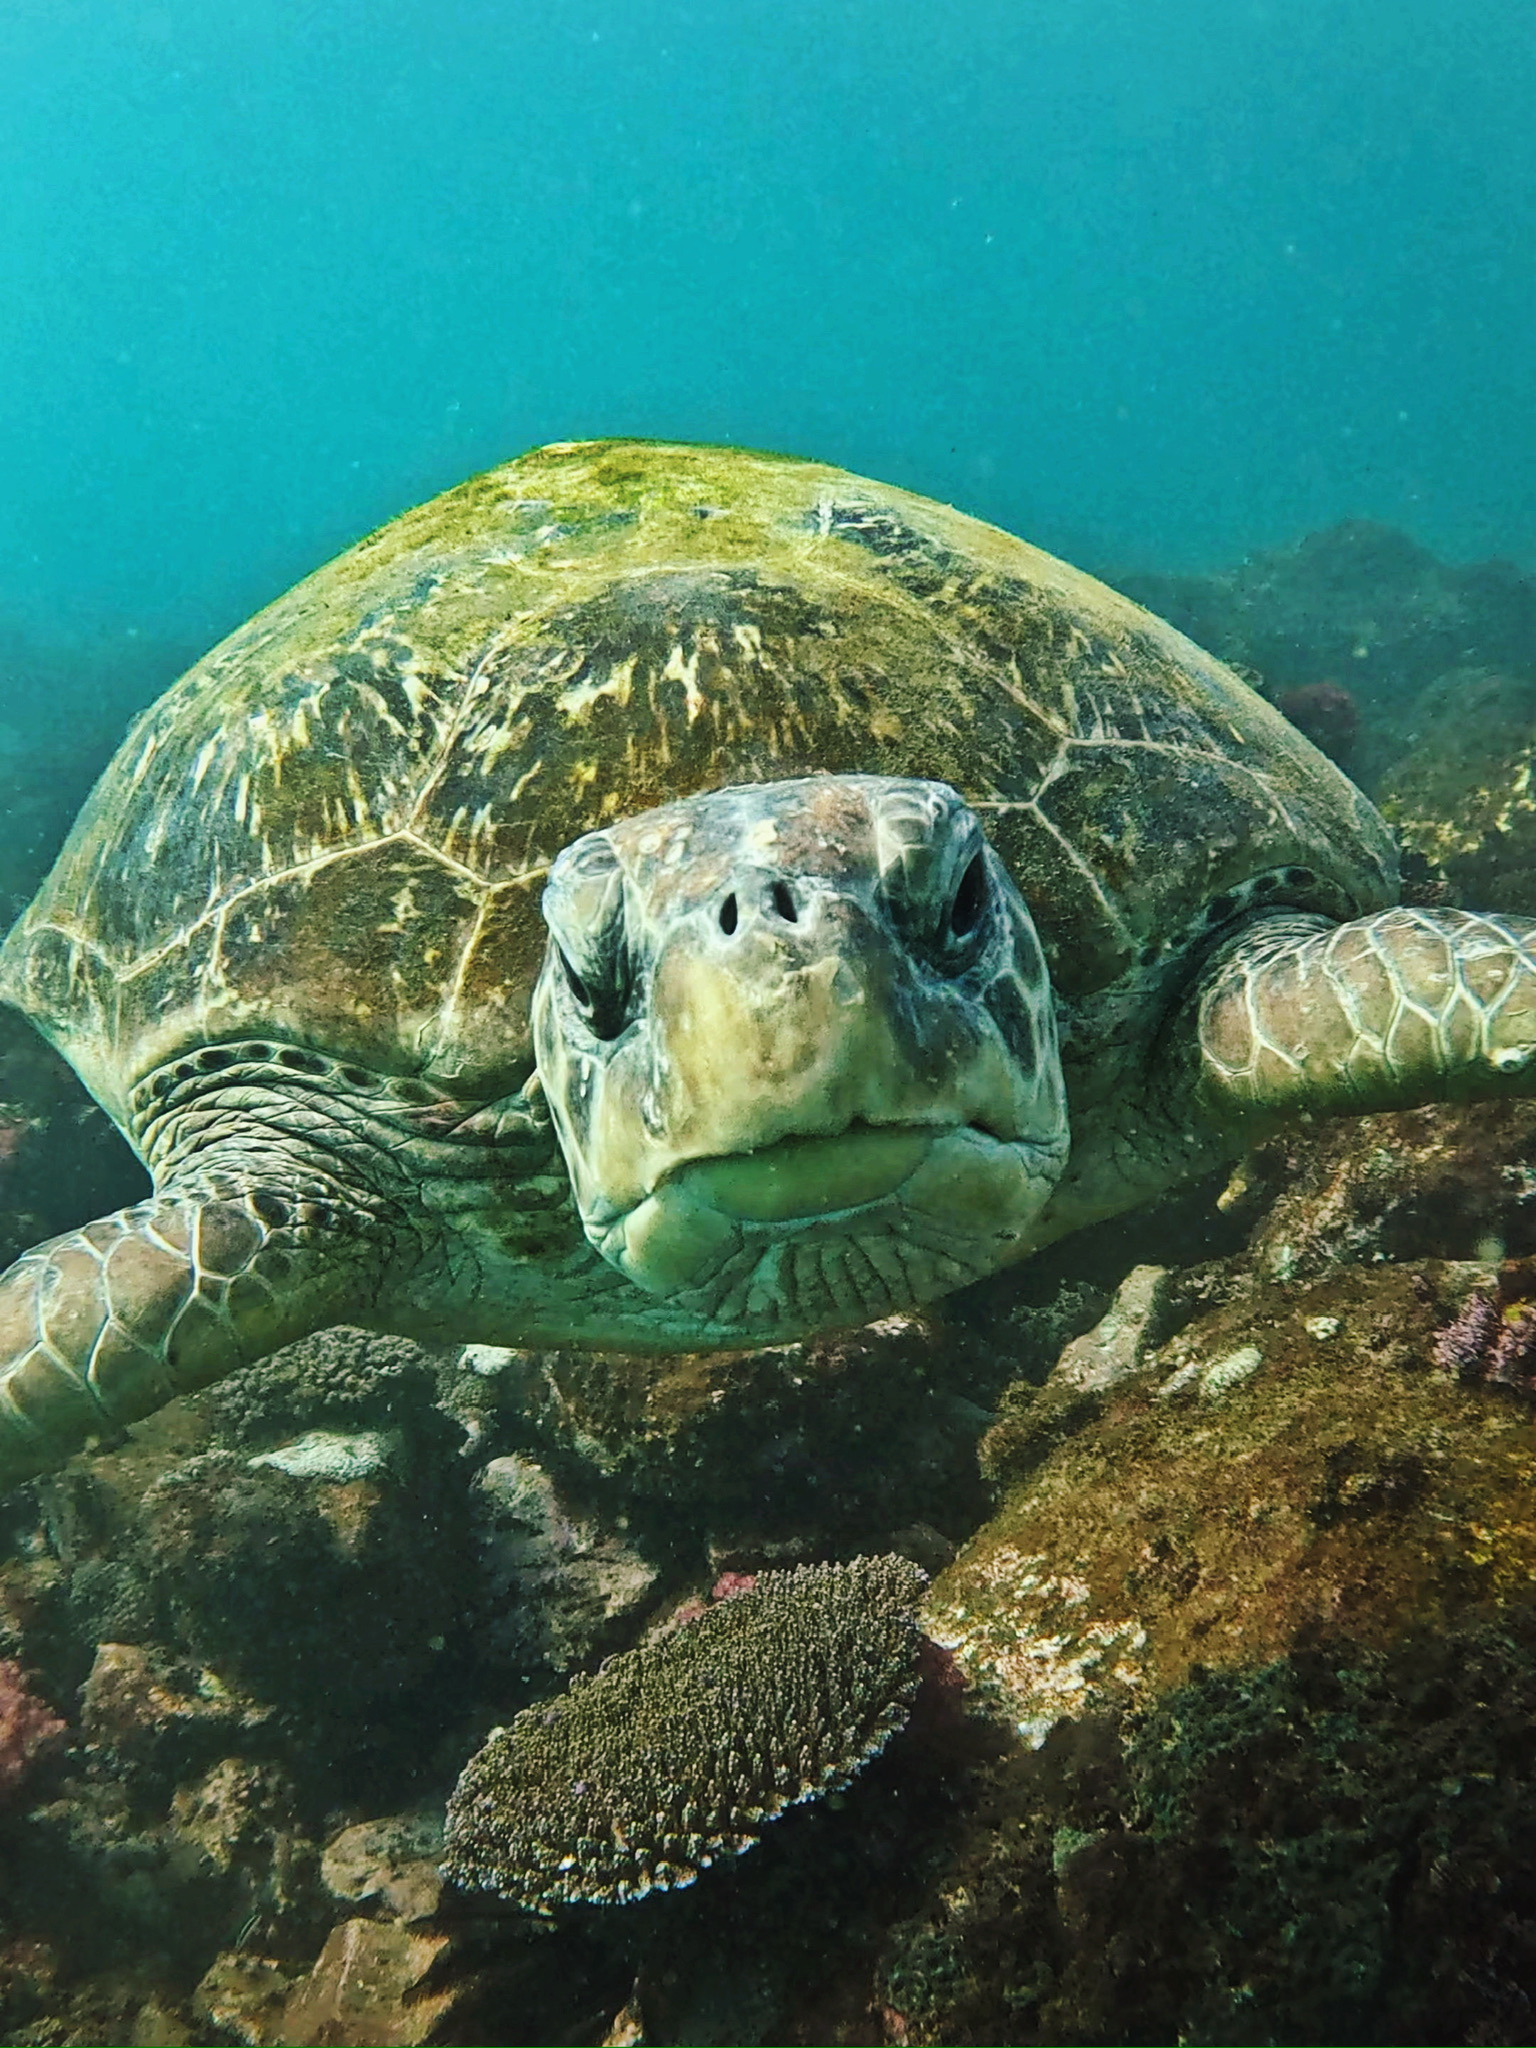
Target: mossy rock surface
x,y
1292,1465
1461,794
791,1450
1259,1642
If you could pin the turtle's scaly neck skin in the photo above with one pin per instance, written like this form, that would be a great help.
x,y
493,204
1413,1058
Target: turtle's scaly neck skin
x,y
441,1215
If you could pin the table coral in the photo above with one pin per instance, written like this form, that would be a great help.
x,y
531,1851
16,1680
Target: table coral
x,y
678,1754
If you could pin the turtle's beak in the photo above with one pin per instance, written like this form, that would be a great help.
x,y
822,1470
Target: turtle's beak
x,y
811,1044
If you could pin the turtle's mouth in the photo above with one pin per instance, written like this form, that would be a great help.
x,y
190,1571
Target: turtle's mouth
x,y
801,1178
811,1231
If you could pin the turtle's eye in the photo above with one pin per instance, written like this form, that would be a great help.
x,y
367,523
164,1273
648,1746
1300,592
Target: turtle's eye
x,y
584,909
960,928
970,900
601,994
933,874
576,985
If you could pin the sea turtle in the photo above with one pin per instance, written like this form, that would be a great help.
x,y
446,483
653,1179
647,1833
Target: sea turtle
x,y
921,900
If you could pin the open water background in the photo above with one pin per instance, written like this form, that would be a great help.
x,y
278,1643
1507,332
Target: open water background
x,y
1153,281
1156,283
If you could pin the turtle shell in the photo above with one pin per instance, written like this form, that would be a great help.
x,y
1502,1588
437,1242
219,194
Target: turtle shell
x,y
335,828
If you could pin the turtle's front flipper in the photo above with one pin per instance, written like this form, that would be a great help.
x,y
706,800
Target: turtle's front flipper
x,y
1405,1007
106,1324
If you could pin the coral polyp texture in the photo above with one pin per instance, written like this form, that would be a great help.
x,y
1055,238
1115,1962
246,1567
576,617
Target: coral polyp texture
x,y
679,1753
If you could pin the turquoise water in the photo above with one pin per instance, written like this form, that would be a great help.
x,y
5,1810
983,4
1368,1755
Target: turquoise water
x,y
1152,284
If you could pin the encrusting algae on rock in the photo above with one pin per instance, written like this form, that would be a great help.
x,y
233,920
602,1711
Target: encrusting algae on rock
x,y
1212,1515
1255,1623
677,1754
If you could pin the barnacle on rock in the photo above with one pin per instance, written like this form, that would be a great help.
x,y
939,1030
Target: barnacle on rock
x,y
679,1753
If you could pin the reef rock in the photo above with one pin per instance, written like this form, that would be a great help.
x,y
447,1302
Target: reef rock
x,y
141,1707
372,1985
1453,1181
557,1589
309,1589
1260,1641
783,1453
393,1861
332,1471
1459,792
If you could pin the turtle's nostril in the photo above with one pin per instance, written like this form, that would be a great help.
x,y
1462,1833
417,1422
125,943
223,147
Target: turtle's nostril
x,y
784,902
728,915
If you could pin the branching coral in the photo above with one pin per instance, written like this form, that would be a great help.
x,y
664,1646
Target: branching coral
x,y
679,1753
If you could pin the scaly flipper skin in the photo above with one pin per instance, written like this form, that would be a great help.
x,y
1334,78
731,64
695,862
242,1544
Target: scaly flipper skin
x,y
106,1324
1385,1012
290,1193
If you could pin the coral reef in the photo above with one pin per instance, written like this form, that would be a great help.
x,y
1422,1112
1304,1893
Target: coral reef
x,y
677,1754
1261,1629
1459,788
1325,1847
1358,602
1435,659
765,1454
1246,1453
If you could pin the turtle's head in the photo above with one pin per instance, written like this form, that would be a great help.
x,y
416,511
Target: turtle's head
x,y
799,1043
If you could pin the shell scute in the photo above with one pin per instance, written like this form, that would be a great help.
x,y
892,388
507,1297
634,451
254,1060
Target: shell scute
x,y
358,949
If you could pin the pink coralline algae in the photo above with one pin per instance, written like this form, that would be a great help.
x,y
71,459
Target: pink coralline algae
x,y
28,1729
1327,714
1484,1346
730,1584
